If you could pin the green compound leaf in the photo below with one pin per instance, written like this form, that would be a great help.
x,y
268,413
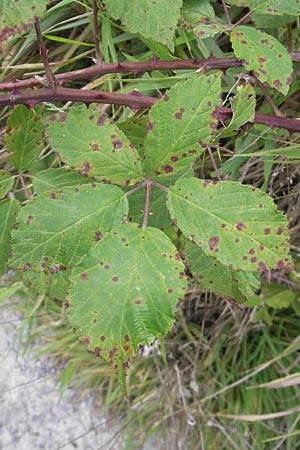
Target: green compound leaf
x,y
265,55
57,180
89,143
54,285
156,20
235,223
126,292
159,216
135,129
8,212
211,274
24,136
57,228
17,16
6,182
181,123
243,108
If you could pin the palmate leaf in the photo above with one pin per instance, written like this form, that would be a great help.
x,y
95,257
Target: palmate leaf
x,y
126,292
24,136
57,180
265,55
181,123
8,212
235,223
156,20
17,16
220,279
89,143
57,229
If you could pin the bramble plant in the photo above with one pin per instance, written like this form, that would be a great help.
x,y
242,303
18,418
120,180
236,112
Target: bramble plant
x,y
120,217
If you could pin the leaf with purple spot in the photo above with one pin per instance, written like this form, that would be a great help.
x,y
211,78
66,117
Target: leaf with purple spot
x,y
94,146
264,55
181,123
131,303
56,229
8,211
220,279
236,224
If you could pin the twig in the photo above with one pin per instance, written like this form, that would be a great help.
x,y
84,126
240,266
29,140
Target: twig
x,y
136,188
135,67
147,204
214,163
43,52
95,31
225,7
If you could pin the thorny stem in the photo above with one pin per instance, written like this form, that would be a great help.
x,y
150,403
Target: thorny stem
x,y
95,31
43,52
147,204
135,67
87,96
225,7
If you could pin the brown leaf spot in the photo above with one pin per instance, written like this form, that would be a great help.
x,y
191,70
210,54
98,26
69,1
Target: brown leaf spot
x,y
52,195
95,147
126,338
213,242
97,351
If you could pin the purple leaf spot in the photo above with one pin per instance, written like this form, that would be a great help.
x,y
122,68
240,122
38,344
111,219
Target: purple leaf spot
x,y
83,276
178,304
253,259
86,167
29,219
168,169
138,301
98,236
149,126
240,226
101,121
117,144
126,338
97,351
213,242
95,147
126,348
279,231
277,84
102,338
267,231
174,158
245,258
86,340
170,291
106,267
115,279
52,195
251,251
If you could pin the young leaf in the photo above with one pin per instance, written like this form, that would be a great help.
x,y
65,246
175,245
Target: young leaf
x,y
57,180
180,123
220,279
156,20
8,212
24,136
265,55
159,216
235,223
6,182
125,293
16,17
243,108
90,143
57,228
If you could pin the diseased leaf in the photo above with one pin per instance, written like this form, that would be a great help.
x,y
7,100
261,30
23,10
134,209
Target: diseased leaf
x,y
24,136
54,285
135,129
235,223
6,182
16,17
265,55
126,292
8,212
181,123
200,18
243,108
270,7
56,229
159,216
220,279
94,146
57,180
279,297
156,20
